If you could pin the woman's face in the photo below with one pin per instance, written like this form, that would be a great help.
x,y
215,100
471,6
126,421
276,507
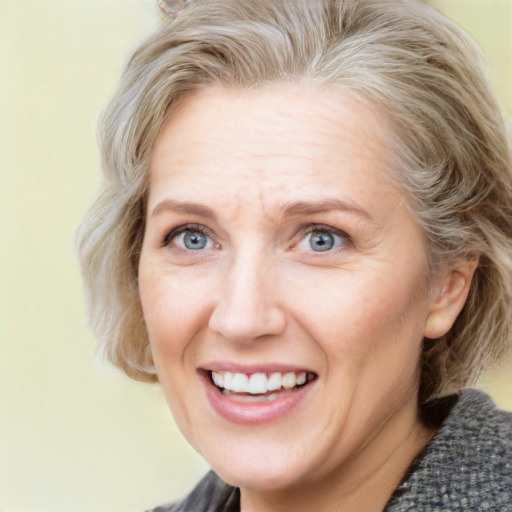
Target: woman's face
x,y
280,261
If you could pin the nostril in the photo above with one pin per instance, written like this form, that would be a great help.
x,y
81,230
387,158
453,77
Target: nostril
x,y
243,324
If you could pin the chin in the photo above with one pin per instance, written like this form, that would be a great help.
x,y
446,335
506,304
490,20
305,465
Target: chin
x,y
262,477
258,465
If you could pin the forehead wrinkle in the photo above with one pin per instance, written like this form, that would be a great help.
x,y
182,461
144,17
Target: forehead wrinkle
x,y
305,154
302,158
313,150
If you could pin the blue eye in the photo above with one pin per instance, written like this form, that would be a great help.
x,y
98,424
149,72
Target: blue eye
x,y
189,238
193,240
321,241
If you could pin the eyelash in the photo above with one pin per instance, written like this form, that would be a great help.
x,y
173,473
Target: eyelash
x,y
187,227
303,232
322,228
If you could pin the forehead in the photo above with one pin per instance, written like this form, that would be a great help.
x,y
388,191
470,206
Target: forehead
x,y
277,142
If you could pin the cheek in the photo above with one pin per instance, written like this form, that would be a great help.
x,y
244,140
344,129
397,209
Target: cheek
x,y
359,315
172,308
172,315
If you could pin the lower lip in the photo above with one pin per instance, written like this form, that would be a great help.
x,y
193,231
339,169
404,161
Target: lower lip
x,y
251,413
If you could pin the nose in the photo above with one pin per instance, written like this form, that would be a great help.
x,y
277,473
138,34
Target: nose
x,y
247,307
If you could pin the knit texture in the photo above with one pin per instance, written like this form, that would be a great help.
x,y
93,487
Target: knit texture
x,y
466,467
468,464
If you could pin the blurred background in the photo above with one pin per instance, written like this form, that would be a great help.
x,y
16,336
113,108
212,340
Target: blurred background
x,y
76,435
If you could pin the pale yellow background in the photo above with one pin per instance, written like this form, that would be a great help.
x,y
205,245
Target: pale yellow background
x,y
75,435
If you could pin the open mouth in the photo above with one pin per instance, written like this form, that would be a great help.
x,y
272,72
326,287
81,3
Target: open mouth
x,y
259,386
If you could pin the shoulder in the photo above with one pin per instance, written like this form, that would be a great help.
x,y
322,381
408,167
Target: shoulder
x,y
210,495
475,430
468,463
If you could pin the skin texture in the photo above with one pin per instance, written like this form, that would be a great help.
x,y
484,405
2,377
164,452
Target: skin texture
x,y
258,293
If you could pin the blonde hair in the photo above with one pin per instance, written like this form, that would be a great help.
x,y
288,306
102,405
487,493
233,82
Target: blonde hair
x,y
452,155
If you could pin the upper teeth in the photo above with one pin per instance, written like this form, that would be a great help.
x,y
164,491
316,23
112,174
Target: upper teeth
x,y
258,383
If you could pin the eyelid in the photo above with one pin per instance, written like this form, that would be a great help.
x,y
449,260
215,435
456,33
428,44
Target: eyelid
x,y
167,239
302,232
310,228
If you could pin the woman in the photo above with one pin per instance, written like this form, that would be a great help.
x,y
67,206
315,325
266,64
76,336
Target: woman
x,y
305,236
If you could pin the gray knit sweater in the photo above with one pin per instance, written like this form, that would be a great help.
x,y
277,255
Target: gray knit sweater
x,y
467,466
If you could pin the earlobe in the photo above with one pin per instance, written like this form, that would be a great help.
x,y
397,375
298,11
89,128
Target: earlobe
x,y
448,296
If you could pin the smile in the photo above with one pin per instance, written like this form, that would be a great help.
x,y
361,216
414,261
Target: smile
x,y
256,396
260,383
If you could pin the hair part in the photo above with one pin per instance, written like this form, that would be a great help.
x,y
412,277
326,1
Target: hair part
x,y
422,73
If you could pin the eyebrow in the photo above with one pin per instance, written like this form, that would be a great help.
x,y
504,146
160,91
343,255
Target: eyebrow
x,y
291,209
325,205
181,207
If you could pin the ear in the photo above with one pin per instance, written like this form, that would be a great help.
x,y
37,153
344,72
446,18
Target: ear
x,y
448,296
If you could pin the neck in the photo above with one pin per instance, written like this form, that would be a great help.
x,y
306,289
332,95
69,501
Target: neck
x,y
363,483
